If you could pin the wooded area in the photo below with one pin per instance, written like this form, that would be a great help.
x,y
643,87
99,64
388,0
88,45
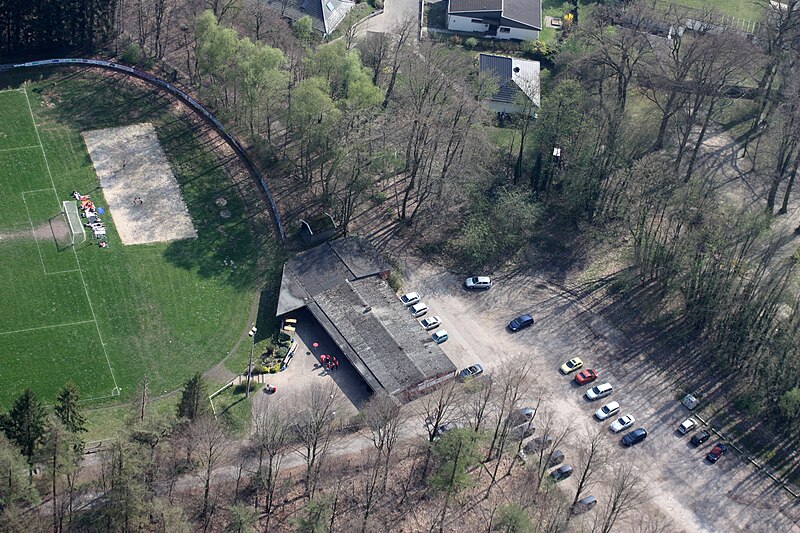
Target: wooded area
x,y
54,25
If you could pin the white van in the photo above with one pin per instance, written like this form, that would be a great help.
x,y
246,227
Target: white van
x,y
600,391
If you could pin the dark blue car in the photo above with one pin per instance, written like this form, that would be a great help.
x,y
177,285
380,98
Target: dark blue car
x,y
634,437
521,322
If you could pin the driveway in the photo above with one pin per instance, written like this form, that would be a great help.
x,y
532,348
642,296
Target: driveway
x,y
395,14
729,496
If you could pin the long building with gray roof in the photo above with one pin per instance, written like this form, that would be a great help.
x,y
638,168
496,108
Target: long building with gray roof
x,y
343,285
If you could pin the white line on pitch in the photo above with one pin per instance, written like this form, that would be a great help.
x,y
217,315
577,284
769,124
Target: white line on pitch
x,y
36,190
18,148
77,260
46,327
33,232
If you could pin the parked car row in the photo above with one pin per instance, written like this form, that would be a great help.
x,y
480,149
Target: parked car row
x,y
608,410
418,308
700,437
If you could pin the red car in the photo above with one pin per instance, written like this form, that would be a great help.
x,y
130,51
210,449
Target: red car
x,y
587,376
717,452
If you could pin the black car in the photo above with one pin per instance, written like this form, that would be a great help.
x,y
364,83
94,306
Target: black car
x,y
562,472
717,452
634,437
521,322
700,437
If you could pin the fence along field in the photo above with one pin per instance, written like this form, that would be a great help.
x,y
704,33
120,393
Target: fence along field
x,y
102,318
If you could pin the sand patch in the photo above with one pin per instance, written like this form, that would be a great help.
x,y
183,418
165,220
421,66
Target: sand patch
x,y
55,228
141,191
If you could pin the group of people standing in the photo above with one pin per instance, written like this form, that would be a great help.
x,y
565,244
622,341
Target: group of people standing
x,y
330,363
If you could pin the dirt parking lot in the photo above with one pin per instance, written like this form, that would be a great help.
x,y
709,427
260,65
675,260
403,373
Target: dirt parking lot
x,y
729,496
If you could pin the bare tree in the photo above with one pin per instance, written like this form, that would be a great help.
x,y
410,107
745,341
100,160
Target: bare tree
x,y
270,439
624,496
591,458
212,446
221,7
401,44
437,116
779,29
375,49
477,404
513,380
382,418
436,408
313,426
668,68
545,453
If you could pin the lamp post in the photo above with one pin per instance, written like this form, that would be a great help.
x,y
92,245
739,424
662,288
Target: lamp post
x,y
252,334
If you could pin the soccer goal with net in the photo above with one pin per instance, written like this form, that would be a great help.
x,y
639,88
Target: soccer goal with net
x,y
76,229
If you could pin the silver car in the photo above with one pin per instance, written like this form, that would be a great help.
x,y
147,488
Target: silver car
x,y
478,283
430,322
608,410
417,310
621,423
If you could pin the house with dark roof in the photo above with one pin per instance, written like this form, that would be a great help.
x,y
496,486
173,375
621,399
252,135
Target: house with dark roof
x,y
497,19
325,14
342,283
516,78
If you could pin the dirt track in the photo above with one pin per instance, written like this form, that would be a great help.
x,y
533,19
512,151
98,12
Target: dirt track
x,y
729,496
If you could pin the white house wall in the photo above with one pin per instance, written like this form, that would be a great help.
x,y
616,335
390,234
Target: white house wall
x,y
457,23
518,33
465,24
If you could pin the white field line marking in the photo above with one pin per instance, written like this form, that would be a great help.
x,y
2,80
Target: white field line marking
x,y
33,232
18,148
63,272
77,260
46,327
11,90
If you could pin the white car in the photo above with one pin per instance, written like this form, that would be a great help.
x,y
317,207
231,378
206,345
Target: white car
x,y
623,422
478,283
417,310
430,322
687,425
607,411
600,391
440,336
410,299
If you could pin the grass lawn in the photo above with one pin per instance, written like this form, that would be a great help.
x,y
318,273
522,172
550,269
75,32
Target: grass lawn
x,y
104,318
234,410
745,9
111,421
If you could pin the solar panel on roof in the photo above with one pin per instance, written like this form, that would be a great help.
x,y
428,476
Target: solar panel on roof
x,y
329,5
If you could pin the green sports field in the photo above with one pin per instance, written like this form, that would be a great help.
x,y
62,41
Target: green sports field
x,y
104,318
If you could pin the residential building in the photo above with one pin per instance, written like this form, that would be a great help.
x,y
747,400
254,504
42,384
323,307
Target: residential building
x,y
497,19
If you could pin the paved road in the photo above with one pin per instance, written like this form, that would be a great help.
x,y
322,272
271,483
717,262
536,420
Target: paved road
x,y
729,496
